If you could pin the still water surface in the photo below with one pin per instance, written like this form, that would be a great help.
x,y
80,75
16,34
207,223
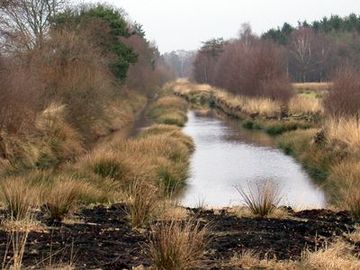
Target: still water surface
x,y
227,155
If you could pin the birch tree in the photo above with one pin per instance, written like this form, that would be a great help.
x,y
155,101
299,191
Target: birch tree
x,y
24,24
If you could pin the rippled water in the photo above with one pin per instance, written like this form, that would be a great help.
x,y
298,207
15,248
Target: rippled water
x,y
227,155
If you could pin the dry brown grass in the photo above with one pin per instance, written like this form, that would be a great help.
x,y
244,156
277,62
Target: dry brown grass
x,y
17,243
105,163
19,197
143,200
183,86
159,155
344,130
345,181
171,102
355,235
243,211
337,256
62,196
312,86
261,198
177,245
305,105
249,259
170,110
170,210
17,231
64,141
248,105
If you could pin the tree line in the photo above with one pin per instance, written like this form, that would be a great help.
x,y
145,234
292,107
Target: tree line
x,y
311,51
247,65
315,50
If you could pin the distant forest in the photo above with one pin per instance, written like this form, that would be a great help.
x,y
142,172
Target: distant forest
x,y
309,51
314,50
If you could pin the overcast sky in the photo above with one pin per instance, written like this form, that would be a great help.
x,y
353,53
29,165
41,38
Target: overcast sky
x,y
183,24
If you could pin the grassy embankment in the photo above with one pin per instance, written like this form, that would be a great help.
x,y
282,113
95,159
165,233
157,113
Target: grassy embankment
x,y
54,173
157,157
142,172
327,147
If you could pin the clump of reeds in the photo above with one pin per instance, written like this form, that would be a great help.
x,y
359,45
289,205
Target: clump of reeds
x,y
261,198
177,245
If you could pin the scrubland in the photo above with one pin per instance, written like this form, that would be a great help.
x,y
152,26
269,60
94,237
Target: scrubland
x,y
77,191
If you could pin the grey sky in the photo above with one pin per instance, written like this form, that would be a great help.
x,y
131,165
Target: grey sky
x,y
183,24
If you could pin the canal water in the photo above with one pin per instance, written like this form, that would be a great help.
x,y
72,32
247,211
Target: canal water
x,y
229,156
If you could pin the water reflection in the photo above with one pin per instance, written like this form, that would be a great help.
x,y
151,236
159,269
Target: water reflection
x,y
227,155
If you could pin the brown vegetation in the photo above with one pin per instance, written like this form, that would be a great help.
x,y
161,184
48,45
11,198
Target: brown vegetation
x,y
247,66
344,97
177,245
261,198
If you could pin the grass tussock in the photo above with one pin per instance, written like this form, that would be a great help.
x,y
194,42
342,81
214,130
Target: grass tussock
x,y
345,130
159,156
143,200
62,196
106,164
19,197
261,198
337,256
170,110
17,244
249,259
177,245
345,181
313,151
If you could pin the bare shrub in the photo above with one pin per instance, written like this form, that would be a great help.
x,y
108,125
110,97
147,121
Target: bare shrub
x,y
247,66
177,245
19,92
77,76
344,97
149,71
261,198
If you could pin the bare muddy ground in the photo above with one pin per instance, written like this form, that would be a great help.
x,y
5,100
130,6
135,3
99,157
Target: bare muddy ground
x,y
104,239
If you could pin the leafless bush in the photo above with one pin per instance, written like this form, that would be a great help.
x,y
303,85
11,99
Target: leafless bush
x,y
18,96
253,70
344,97
75,74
